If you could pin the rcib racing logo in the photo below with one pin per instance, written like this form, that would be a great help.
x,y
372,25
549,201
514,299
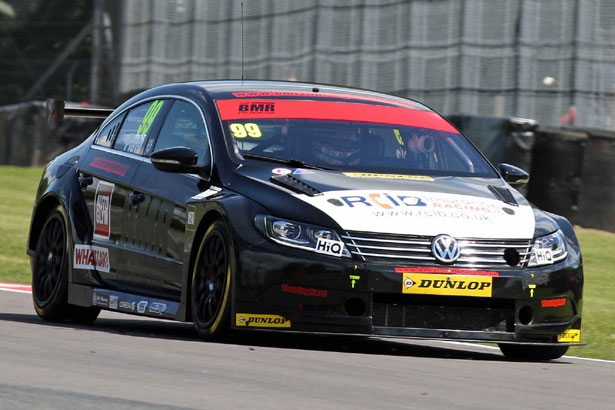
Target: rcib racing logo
x,y
253,320
257,108
102,210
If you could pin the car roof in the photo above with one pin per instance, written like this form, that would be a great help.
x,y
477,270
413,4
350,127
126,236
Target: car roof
x,y
289,89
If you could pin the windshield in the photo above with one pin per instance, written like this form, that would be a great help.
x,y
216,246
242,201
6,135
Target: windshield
x,y
350,136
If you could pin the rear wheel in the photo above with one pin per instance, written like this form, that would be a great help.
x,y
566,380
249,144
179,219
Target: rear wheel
x,y
211,283
50,274
529,352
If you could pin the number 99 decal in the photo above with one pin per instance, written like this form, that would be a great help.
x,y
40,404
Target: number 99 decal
x,y
245,130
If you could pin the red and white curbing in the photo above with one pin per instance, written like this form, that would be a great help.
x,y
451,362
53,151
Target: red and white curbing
x,y
15,287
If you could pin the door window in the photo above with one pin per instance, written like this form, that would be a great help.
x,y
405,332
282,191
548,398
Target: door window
x,y
139,124
106,136
184,127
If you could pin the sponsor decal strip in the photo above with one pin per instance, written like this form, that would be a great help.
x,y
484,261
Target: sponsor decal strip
x,y
91,257
110,166
128,303
325,110
553,302
256,94
102,210
300,290
388,176
433,284
15,287
448,271
254,320
570,336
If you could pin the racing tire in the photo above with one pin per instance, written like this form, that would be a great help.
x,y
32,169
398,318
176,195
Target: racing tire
x,y
532,353
211,283
50,274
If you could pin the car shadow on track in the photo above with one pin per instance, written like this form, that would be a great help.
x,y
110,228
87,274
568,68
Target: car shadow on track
x,y
164,329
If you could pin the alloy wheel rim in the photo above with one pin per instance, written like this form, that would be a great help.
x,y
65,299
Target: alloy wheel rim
x,y
50,259
211,279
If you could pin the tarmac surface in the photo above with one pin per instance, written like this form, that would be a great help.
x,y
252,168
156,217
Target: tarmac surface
x,y
125,362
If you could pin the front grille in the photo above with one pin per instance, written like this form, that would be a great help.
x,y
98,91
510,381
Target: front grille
x,y
443,312
475,253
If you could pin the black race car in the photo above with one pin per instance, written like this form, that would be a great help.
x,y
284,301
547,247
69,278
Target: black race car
x,y
300,208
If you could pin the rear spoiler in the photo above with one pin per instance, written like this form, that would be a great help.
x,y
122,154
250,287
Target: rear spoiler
x,y
57,111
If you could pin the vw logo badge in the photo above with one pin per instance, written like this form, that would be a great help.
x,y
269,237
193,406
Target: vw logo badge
x,y
445,248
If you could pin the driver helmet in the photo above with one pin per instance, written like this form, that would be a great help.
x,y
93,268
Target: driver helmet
x,y
337,148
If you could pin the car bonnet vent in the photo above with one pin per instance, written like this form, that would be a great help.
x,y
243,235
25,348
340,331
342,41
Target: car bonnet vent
x,y
503,194
292,183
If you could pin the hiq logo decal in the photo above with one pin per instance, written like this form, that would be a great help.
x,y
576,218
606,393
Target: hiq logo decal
x,y
329,247
102,210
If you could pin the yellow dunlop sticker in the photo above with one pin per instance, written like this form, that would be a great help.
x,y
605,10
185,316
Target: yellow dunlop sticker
x,y
387,176
251,320
449,285
570,336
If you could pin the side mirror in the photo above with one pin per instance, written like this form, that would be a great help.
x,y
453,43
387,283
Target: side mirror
x,y
175,159
516,177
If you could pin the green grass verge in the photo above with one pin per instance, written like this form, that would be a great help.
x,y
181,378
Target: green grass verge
x,y
18,188
598,328
17,192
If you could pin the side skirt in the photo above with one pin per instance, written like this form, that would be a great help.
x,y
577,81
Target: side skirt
x,y
122,302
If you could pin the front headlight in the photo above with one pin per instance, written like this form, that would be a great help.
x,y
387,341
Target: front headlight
x,y
548,250
301,235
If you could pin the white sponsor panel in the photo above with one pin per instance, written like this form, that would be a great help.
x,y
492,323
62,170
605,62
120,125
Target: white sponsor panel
x,y
113,301
213,190
102,210
141,306
425,213
541,256
91,257
329,247
281,171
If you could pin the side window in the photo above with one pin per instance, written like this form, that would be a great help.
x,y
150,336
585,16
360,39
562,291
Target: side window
x,y
106,136
184,126
137,127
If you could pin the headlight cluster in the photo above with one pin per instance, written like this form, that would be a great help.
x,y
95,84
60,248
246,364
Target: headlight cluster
x,y
301,235
548,250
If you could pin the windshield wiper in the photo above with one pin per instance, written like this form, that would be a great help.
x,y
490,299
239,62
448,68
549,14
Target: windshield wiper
x,y
295,163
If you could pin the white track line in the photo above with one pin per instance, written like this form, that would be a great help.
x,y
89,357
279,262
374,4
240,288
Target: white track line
x,y
497,348
8,287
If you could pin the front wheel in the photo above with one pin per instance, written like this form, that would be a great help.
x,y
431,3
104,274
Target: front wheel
x,y
211,283
533,353
50,274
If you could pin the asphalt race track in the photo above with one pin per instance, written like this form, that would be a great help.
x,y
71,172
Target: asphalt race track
x,y
123,362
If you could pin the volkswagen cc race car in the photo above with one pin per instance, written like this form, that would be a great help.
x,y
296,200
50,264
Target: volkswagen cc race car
x,y
300,208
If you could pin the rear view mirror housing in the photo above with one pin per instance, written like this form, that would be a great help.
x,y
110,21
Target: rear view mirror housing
x,y
176,160
515,176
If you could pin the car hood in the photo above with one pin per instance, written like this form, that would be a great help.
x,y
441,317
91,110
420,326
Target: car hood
x,y
404,204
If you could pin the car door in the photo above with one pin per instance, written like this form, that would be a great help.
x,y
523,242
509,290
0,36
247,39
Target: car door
x,y
165,195
105,175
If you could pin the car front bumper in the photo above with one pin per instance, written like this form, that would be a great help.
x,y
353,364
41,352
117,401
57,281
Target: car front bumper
x,y
322,294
